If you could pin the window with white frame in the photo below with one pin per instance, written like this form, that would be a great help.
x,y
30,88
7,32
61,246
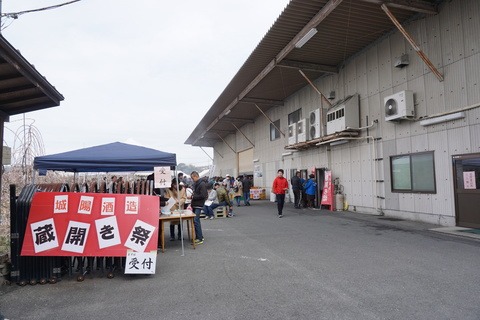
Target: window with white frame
x,y
413,173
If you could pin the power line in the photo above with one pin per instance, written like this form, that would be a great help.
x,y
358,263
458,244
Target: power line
x,y
15,15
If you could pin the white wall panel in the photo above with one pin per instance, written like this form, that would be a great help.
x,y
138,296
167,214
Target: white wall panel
x,y
455,85
423,203
397,48
417,67
346,178
356,195
376,110
361,63
472,69
475,137
350,79
417,85
385,65
459,140
471,25
404,145
372,71
452,32
367,174
419,143
391,199
405,201
434,94
442,201
433,46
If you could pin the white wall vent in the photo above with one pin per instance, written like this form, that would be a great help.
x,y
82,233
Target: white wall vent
x,y
343,115
292,133
399,106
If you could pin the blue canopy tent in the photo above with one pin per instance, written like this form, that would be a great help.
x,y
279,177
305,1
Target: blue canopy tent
x,y
112,157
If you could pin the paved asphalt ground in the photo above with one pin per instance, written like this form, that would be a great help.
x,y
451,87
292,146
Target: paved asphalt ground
x,y
311,264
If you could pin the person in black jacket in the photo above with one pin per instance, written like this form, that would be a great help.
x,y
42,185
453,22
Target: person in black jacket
x,y
200,194
247,185
297,186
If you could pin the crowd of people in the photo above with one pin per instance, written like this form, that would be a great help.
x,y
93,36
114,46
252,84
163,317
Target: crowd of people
x,y
206,195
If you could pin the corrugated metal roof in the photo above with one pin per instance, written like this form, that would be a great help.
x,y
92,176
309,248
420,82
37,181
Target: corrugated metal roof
x,y
22,87
270,74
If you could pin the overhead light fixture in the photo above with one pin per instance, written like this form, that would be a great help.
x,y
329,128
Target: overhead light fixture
x,y
447,117
306,37
256,160
285,154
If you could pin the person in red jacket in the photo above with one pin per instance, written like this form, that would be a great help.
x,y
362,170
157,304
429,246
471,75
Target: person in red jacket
x,y
279,187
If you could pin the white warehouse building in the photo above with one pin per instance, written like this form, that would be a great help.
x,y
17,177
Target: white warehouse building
x,y
384,94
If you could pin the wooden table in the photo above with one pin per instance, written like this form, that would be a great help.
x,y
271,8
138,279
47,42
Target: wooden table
x,y
187,215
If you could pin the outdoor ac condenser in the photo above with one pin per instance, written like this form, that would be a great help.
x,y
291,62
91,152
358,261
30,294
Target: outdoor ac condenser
x,y
399,106
292,133
301,131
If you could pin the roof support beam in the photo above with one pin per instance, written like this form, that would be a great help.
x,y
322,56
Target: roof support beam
x,y
206,153
277,103
269,120
215,150
412,42
307,66
315,88
243,134
416,6
226,143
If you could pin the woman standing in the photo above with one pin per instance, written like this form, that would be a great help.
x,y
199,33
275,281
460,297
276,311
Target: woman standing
x,y
238,190
180,199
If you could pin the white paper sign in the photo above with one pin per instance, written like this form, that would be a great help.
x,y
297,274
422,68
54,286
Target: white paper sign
x,y
162,177
469,181
108,207
60,204
140,236
141,262
108,233
85,205
76,236
168,205
131,205
44,235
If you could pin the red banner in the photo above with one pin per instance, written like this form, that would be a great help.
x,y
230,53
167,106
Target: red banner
x,y
327,194
91,224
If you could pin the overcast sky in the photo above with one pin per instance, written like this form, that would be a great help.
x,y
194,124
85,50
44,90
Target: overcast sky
x,y
143,71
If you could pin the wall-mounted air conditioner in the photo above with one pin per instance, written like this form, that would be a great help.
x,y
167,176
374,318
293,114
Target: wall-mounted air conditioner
x,y
301,130
343,115
292,133
399,106
314,124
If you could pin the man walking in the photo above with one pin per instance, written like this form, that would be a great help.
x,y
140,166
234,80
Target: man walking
x,y
200,194
279,187
296,188
247,185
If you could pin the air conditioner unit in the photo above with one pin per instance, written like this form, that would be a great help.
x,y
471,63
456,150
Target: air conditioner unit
x,y
292,133
399,106
301,130
314,124
343,115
